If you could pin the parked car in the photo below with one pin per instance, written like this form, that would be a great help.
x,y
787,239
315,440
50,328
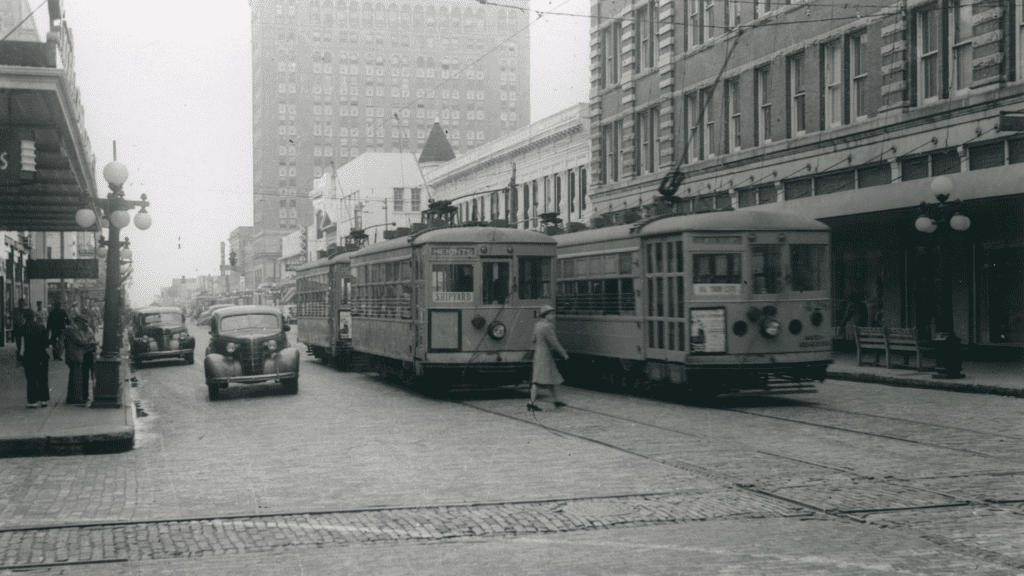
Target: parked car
x,y
159,333
248,345
204,318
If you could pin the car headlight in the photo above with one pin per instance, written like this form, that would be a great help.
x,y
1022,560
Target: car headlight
x,y
771,328
231,347
497,330
271,345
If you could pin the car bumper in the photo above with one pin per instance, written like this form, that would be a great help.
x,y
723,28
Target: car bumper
x,y
143,356
253,379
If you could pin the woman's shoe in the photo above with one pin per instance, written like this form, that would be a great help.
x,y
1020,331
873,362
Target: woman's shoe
x,y
42,404
560,404
533,408
32,405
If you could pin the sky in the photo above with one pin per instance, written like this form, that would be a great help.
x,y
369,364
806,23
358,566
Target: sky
x,y
170,82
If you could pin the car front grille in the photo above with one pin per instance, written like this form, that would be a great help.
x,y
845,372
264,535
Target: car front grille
x,y
251,358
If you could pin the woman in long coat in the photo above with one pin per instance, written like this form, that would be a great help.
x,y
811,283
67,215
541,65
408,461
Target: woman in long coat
x,y
545,344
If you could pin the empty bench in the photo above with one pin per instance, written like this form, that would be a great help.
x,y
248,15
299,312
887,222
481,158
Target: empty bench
x,y
889,340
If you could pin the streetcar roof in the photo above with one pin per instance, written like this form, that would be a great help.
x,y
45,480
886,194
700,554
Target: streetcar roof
x,y
731,220
462,234
344,257
311,265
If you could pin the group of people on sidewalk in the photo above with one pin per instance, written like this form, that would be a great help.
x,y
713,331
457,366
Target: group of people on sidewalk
x,y
71,338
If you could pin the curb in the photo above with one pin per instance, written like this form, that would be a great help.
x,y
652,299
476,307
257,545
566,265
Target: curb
x,y
105,439
949,386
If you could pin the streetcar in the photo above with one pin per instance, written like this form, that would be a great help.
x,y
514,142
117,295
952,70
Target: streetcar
x,y
452,308
713,303
323,316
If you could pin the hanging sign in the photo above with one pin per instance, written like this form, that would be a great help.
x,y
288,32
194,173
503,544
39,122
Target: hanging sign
x,y
10,158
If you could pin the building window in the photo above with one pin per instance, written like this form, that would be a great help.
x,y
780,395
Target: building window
x,y
732,13
415,200
797,96
583,189
761,7
709,19
732,104
646,141
832,78
693,125
610,51
763,91
399,200
708,115
858,76
611,149
693,28
962,30
929,41
647,31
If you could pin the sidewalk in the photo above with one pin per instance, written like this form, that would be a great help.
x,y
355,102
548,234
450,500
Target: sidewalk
x,y
58,429
1000,378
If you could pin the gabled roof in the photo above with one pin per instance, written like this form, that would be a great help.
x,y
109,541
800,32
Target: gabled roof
x,y
437,147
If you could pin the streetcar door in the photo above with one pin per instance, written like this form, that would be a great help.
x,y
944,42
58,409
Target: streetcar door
x,y
665,324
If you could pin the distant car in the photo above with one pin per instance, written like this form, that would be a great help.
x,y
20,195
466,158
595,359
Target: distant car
x,y
204,318
159,333
248,345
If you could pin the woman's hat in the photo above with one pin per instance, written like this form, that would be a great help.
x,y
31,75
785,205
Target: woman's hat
x,y
545,310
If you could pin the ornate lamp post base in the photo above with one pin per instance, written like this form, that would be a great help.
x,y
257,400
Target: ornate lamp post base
x,y
107,392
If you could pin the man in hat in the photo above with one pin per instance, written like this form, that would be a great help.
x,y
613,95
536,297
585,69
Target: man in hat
x,y
545,344
79,339
36,361
56,323
20,323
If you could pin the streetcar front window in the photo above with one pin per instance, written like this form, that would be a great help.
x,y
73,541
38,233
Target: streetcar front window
x,y
716,269
452,278
809,263
496,281
766,266
534,278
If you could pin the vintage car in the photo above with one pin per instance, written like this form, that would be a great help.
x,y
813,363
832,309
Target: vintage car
x,y
204,318
248,345
159,333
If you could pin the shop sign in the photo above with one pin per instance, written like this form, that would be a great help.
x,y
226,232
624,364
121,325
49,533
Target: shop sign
x,y
68,269
10,158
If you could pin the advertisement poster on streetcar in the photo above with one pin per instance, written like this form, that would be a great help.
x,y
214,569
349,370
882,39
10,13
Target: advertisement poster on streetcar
x,y
344,324
707,331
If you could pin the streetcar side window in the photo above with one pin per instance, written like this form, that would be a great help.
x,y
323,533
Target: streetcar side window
x,y
809,264
534,278
766,268
716,269
496,281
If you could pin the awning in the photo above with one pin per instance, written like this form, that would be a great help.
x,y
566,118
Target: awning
x,y
48,171
288,295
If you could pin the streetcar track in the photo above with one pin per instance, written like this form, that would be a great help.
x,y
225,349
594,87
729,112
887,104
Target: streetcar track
x,y
873,434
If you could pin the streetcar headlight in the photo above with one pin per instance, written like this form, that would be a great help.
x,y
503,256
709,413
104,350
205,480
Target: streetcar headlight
x,y
771,328
271,345
497,330
231,347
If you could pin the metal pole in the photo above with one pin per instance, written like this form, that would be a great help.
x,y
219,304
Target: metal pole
x,y
107,393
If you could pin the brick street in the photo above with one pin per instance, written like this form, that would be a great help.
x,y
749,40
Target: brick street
x,y
359,473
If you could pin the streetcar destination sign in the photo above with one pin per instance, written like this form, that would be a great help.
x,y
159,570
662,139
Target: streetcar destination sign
x,y
453,296
452,251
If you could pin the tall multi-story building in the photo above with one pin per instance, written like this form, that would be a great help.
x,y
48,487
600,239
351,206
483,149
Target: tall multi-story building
x,y
850,113
334,79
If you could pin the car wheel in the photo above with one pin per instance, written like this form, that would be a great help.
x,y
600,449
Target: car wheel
x,y
291,385
214,391
190,358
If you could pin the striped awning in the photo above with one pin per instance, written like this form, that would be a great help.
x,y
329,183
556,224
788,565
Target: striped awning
x,y
287,295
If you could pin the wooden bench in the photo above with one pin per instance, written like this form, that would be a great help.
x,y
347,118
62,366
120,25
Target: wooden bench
x,y
903,340
871,339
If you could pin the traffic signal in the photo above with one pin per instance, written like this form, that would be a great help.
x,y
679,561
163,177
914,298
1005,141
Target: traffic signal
x,y
233,258
304,238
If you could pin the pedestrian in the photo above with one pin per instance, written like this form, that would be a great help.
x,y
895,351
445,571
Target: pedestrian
x,y
57,323
856,315
20,323
80,339
545,372
41,316
36,361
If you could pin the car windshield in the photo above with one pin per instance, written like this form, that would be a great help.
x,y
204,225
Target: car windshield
x,y
162,319
250,322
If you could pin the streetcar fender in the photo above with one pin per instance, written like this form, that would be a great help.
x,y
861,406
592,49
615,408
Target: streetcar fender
x,y
286,360
220,366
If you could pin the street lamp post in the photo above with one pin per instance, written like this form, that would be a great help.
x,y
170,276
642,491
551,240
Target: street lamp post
x,y
945,214
107,393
